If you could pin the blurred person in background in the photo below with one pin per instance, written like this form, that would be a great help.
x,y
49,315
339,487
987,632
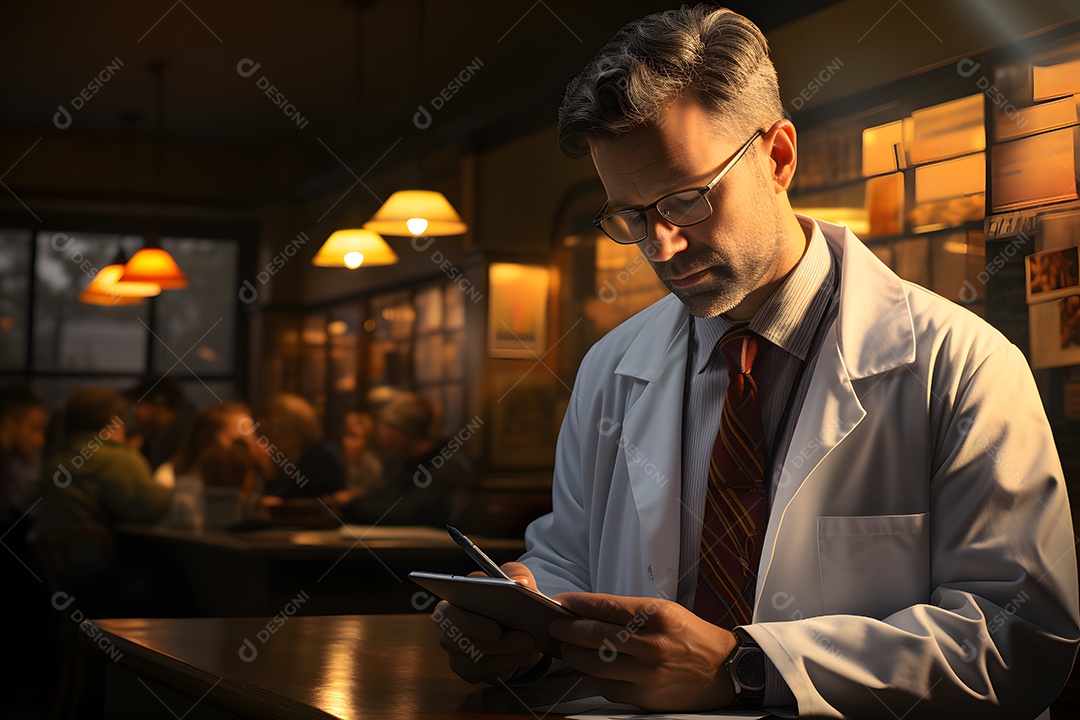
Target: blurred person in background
x,y
363,469
424,477
291,453
95,481
164,417
213,474
23,418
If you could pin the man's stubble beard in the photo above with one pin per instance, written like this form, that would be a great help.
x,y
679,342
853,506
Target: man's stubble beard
x,y
729,284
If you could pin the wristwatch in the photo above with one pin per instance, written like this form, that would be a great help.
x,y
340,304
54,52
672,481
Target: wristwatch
x,y
747,667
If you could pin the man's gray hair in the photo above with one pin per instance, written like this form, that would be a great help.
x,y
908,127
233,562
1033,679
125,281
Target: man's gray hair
x,y
714,53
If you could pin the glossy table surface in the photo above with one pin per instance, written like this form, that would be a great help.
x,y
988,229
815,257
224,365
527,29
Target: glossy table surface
x,y
358,666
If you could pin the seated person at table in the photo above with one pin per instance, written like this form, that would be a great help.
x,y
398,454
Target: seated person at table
x,y
290,451
95,482
165,415
213,474
23,417
363,469
424,478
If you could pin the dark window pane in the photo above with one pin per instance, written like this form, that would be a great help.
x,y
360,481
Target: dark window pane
x,y
70,335
56,389
195,326
14,297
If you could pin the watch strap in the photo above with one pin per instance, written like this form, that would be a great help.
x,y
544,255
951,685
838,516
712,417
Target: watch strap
x,y
746,651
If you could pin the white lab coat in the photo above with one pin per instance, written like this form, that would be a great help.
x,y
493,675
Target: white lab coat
x,y
919,558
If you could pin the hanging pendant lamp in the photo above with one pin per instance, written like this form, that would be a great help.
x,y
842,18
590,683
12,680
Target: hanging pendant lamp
x,y
417,212
152,264
353,248
109,288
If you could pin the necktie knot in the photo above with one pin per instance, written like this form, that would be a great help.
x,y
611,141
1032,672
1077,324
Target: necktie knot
x,y
739,348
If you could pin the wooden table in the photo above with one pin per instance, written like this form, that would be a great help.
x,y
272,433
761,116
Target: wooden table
x,y
354,569
365,666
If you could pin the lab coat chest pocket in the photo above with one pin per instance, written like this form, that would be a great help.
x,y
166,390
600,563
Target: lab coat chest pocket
x,y
874,565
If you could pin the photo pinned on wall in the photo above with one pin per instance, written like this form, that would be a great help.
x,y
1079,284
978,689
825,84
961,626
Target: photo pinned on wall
x,y
1055,333
517,310
1053,274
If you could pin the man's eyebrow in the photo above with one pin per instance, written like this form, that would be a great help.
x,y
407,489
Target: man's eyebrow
x,y
681,184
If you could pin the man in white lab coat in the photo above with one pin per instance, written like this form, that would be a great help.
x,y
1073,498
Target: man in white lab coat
x,y
918,556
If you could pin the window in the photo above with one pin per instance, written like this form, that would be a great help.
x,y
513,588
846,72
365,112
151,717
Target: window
x,y
46,334
14,298
73,336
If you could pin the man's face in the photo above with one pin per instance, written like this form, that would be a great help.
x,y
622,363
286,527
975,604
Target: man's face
x,y
714,265
26,431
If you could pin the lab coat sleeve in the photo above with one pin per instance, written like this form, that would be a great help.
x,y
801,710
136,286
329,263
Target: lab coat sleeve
x,y
998,634
557,553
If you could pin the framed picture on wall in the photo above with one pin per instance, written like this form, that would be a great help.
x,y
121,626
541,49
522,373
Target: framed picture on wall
x,y
1053,274
1055,333
517,310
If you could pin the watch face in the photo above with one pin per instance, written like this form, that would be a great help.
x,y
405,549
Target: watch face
x,y
750,669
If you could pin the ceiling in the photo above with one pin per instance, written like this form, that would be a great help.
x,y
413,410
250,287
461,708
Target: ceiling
x,y
509,58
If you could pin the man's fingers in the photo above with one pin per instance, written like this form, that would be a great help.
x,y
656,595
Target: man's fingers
x,y
590,634
521,573
615,609
489,668
454,620
458,644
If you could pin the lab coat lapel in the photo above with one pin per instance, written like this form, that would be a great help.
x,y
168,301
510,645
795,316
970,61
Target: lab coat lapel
x,y
651,440
873,333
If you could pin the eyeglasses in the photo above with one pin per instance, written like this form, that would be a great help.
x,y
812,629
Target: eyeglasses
x,y
681,208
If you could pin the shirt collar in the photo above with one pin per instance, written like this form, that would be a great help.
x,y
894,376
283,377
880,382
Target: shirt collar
x,y
790,316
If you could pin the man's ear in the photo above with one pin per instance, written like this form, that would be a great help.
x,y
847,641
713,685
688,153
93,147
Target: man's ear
x,y
782,150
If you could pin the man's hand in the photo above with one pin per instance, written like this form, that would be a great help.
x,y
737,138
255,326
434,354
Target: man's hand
x,y
651,653
480,649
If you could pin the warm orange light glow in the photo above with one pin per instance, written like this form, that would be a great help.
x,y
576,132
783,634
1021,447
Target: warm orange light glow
x,y
107,288
417,212
883,149
353,248
154,265
948,130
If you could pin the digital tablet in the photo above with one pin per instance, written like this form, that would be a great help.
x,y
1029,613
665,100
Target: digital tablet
x,y
506,602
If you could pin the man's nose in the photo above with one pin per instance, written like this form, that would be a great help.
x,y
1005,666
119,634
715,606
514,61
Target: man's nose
x,y
665,240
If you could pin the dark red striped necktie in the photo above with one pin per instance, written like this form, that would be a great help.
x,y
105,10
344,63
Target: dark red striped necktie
x,y
733,529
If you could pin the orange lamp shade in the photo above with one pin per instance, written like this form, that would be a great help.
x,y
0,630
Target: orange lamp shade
x,y
107,288
417,212
154,265
94,298
353,248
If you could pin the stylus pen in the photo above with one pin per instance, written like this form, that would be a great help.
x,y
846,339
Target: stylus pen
x,y
478,556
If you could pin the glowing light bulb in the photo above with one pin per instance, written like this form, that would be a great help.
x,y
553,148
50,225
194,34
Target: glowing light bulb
x,y
416,226
353,259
